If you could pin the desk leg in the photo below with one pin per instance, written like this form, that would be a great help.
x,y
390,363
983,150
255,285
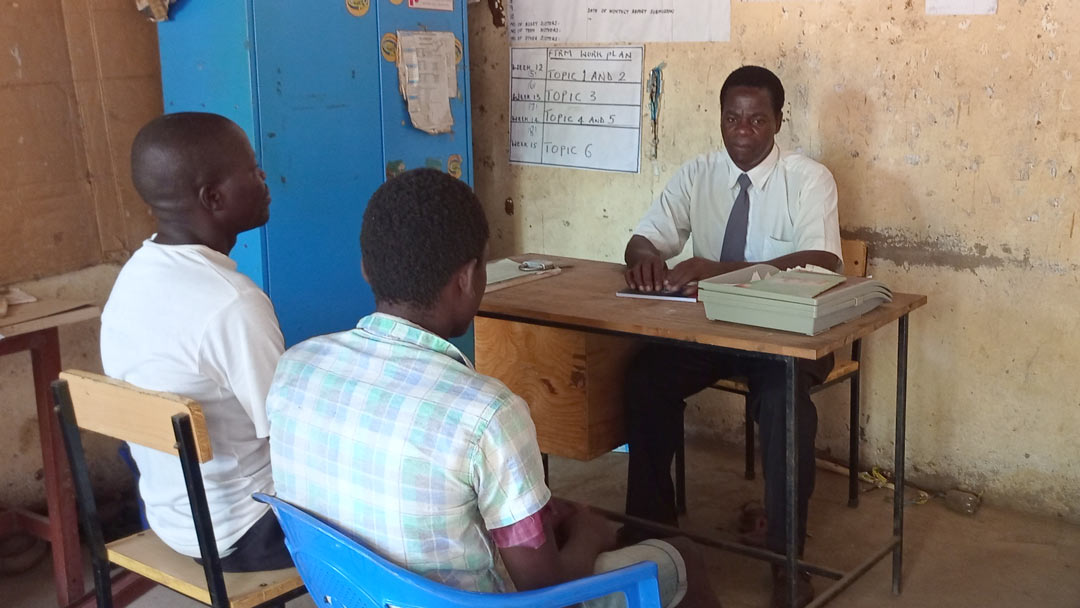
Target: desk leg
x,y
853,428
898,465
59,490
790,424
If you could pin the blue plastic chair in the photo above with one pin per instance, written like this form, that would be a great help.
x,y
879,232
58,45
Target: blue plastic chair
x,y
341,572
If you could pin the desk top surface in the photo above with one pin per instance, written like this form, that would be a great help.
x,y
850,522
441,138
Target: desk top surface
x,y
43,314
583,296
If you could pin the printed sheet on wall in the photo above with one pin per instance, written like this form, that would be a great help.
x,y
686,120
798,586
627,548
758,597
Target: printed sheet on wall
x,y
603,21
576,107
961,7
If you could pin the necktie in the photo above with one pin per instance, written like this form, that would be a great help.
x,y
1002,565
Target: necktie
x,y
734,248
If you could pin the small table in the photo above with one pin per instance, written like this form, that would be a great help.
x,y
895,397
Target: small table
x,y
582,299
33,328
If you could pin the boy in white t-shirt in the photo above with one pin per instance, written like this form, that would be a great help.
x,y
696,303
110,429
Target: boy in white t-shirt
x,y
181,319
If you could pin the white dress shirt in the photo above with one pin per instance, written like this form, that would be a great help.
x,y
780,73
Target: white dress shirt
x,y
792,207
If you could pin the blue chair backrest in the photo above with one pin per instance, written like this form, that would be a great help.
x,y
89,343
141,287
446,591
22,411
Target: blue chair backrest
x,y
340,572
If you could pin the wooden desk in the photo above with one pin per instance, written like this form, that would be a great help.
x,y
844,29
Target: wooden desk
x,y
33,328
582,299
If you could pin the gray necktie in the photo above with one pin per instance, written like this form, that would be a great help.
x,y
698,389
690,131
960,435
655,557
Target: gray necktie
x,y
734,248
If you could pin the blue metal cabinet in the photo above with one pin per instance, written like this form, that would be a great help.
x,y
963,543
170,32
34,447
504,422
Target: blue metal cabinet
x,y
311,84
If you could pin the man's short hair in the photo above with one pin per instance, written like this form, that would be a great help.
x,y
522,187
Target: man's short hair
x,y
759,78
419,228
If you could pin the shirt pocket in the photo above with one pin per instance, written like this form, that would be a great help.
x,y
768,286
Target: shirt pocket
x,y
775,248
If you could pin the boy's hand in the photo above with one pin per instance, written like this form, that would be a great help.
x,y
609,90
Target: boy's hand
x,y
591,530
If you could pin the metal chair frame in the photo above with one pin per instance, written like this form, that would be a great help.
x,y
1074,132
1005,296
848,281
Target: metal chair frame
x,y
189,461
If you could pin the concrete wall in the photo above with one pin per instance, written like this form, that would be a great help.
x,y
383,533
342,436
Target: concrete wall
x,y
954,142
77,79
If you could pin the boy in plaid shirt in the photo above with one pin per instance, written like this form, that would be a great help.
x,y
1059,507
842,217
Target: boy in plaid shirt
x,y
388,432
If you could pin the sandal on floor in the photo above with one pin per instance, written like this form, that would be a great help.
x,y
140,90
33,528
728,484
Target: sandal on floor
x,y
752,524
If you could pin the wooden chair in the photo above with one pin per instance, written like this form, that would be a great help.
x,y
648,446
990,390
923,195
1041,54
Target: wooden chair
x,y
844,369
174,425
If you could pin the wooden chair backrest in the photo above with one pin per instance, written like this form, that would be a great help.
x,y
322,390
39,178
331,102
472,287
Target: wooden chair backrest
x,y
854,254
129,413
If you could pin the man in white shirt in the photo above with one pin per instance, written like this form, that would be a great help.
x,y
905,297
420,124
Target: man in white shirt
x,y
181,319
744,204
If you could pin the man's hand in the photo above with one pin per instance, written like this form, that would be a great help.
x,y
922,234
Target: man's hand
x,y
645,267
648,274
686,274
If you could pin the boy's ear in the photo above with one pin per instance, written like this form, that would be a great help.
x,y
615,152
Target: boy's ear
x,y
363,271
467,275
210,198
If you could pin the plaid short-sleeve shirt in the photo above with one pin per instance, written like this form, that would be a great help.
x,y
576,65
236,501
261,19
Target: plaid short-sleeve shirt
x,y
388,432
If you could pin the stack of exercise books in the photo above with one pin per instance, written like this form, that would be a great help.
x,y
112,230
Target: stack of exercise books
x,y
800,300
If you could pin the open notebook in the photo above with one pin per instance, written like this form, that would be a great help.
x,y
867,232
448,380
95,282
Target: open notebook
x,y
507,273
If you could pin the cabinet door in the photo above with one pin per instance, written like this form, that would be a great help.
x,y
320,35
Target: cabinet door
x,y
404,146
321,135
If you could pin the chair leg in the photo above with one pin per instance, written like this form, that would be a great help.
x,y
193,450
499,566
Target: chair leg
x,y
80,472
853,431
680,475
749,424
544,461
200,511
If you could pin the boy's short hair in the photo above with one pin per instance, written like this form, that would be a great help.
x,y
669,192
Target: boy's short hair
x,y
177,152
759,78
419,228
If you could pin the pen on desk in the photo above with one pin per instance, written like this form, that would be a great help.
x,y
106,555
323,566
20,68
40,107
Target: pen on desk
x,y
536,265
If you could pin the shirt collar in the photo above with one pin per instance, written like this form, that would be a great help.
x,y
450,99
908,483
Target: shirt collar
x,y
389,328
215,256
759,175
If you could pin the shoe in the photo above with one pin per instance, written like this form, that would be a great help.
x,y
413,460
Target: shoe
x,y
780,597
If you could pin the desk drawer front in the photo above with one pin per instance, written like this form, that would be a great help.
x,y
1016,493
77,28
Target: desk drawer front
x,y
571,380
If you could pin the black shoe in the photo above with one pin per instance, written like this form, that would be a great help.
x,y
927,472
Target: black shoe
x,y
780,593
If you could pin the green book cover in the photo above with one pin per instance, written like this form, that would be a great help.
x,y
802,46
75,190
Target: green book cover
x,y
797,286
797,283
852,298
792,321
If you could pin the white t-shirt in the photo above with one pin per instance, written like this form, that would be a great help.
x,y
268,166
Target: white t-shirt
x,y
181,319
792,207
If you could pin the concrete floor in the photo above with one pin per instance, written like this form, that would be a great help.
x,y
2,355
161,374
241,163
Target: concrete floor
x,y
997,558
